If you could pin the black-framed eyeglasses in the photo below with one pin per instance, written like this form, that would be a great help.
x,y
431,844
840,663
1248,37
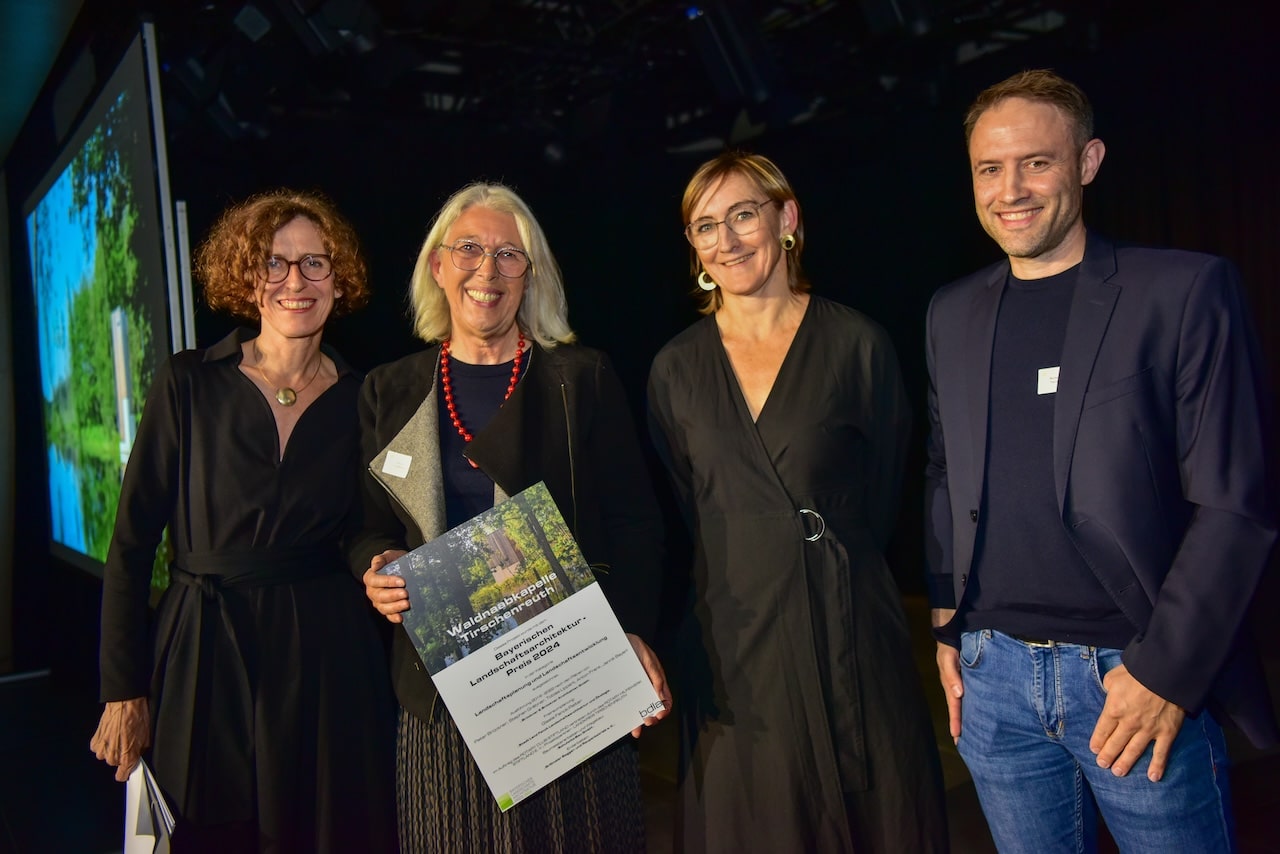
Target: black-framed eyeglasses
x,y
313,267
468,255
742,219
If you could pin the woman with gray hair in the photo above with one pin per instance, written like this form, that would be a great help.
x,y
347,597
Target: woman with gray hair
x,y
501,399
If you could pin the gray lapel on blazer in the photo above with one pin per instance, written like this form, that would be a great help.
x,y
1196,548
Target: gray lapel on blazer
x,y
421,491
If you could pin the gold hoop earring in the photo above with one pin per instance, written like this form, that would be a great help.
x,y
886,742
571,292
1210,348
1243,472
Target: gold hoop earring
x,y
706,282
788,242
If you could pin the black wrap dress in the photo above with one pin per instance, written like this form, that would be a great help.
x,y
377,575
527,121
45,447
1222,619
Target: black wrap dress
x,y
269,689
803,720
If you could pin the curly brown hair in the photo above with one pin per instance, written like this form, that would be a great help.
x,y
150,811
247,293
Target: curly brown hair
x,y
228,261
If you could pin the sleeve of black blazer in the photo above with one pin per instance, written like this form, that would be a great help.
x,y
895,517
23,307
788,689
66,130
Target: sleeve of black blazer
x,y
1222,445
937,499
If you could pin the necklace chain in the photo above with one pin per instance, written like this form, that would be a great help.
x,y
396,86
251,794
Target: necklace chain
x,y
446,384
285,396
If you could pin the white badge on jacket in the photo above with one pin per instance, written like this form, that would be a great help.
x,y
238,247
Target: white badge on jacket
x,y
396,465
1047,380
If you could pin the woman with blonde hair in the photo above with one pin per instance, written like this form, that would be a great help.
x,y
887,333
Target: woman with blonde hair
x,y
782,420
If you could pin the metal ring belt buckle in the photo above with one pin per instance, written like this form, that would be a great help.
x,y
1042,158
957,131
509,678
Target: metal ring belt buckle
x,y
822,524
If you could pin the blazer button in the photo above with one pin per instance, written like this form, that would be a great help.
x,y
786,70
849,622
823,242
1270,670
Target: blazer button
x,y
973,515
964,579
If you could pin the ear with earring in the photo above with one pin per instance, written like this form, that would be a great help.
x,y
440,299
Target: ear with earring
x,y
788,242
706,282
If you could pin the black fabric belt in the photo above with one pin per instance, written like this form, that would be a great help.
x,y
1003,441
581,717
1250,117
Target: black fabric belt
x,y
211,571
1034,641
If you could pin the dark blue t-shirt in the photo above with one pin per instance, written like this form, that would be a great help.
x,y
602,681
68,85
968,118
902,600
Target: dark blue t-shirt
x,y
478,394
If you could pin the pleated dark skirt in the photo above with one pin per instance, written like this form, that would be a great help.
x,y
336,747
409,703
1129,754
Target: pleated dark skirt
x,y
444,805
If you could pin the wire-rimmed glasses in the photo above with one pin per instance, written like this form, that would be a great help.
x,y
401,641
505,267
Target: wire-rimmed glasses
x,y
742,219
468,255
313,267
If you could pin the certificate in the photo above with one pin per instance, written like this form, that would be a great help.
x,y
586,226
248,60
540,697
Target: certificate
x,y
522,645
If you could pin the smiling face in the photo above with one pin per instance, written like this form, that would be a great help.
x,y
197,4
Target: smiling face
x,y
746,264
1028,179
296,307
482,303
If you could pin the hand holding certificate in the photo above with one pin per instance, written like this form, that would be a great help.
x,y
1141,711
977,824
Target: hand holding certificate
x,y
522,645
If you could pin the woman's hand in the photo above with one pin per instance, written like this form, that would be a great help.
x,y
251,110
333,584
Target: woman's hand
x,y
386,592
124,734
656,676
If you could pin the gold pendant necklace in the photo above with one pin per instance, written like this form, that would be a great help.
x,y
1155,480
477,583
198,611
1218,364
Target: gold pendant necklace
x,y
285,396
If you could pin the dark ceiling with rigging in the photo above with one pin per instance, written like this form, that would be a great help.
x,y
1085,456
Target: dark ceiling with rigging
x,y
558,75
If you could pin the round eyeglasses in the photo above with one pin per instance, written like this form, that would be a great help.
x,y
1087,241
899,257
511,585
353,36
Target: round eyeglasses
x,y
468,255
742,219
314,268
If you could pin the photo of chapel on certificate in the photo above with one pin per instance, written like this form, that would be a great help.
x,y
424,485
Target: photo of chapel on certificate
x,y
522,645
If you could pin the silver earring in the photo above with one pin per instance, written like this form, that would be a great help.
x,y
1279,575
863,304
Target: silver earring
x,y
788,242
705,282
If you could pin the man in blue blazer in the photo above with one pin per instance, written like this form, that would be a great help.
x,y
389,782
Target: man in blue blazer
x,y
1099,509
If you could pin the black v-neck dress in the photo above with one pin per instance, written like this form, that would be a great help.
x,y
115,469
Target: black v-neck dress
x,y
804,725
270,695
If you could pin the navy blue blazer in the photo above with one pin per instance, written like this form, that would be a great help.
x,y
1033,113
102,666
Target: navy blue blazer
x,y
1161,460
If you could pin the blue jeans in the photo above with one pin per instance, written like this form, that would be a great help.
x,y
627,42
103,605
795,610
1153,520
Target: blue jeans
x,y
1028,713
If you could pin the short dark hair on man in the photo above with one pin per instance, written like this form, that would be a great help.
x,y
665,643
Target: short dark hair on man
x,y
1037,84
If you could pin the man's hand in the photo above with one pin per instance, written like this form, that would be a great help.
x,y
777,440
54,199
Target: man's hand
x,y
948,658
124,734
1133,717
952,686
386,592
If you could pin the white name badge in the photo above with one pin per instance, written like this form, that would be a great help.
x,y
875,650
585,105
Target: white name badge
x,y
1047,380
396,465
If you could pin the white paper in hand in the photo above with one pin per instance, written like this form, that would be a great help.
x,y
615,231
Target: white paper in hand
x,y
148,823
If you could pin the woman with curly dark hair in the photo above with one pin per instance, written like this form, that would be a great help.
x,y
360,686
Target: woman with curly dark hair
x,y
260,683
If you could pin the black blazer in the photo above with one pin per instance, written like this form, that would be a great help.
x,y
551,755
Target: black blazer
x,y
567,423
1160,459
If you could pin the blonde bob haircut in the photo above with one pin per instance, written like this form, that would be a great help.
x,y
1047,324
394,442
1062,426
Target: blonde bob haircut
x,y
229,261
543,313
768,178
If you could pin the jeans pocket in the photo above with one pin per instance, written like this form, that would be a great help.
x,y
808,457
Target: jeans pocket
x,y
1104,661
971,645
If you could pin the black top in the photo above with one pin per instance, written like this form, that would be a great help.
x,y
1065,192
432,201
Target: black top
x,y
206,462
478,392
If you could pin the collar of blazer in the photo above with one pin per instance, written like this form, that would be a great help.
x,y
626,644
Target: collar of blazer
x,y
408,466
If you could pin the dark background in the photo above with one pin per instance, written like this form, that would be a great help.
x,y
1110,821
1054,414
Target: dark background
x,y
587,110
1184,93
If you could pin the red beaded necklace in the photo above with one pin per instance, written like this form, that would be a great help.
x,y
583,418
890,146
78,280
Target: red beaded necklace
x,y
447,384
